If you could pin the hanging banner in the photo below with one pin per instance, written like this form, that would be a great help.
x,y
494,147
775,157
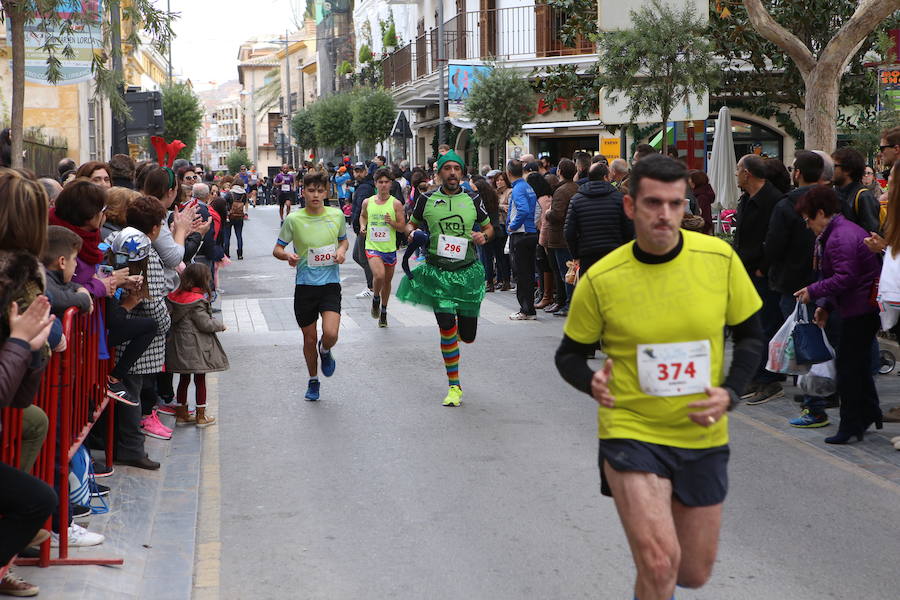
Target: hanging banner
x,y
78,27
460,79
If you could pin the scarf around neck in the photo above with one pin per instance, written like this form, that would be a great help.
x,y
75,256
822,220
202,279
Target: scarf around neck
x,y
90,240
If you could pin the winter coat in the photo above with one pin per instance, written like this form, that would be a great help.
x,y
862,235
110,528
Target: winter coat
x,y
154,307
364,189
522,203
753,216
63,295
789,246
705,198
596,223
556,216
865,212
192,346
543,207
21,280
848,270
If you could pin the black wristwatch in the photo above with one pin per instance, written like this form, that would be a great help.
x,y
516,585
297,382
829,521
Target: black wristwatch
x,y
734,398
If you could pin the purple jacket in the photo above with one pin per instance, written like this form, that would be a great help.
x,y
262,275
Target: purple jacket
x,y
848,270
84,276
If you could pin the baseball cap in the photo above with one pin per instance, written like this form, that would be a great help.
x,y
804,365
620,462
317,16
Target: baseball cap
x,y
359,165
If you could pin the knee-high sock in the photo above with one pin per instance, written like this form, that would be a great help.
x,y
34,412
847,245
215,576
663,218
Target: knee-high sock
x,y
450,352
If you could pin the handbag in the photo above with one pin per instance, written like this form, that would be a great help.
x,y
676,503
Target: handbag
x,y
810,347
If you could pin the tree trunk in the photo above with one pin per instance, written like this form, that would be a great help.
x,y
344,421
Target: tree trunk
x,y
16,22
820,117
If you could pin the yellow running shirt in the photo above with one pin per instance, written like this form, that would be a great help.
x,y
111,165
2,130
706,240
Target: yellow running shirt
x,y
623,302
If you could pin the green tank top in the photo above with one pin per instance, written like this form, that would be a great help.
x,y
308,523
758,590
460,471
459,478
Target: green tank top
x,y
379,235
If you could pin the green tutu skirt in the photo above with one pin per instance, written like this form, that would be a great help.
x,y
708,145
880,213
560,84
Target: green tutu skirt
x,y
459,292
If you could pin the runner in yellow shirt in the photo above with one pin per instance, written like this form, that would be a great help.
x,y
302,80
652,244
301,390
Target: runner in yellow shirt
x,y
380,218
659,306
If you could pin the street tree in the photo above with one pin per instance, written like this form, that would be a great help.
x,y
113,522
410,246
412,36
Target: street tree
x,y
303,126
59,29
822,67
373,113
663,61
235,159
333,118
183,116
499,104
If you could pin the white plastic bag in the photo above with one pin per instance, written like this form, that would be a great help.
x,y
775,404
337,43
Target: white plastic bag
x,y
822,377
506,245
781,347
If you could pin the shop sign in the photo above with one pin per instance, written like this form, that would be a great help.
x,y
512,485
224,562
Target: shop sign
x,y
611,148
81,21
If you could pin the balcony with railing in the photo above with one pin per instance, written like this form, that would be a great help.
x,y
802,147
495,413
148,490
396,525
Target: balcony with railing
x,y
510,34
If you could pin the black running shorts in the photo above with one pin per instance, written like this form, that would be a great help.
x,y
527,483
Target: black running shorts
x,y
312,300
285,197
699,476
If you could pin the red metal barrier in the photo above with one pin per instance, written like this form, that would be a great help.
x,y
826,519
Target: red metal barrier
x,y
73,394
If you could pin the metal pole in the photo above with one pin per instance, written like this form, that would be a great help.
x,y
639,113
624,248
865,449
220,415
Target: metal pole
x,y
287,124
169,15
442,108
254,146
119,135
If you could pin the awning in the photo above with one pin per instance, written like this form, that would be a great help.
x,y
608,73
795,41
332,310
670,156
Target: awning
x,y
656,142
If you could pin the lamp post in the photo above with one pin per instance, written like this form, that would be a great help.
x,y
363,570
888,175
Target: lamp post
x,y
442,109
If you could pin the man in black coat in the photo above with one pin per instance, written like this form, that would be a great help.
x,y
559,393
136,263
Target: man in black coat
x,y
365,188
858,204
754,213
595,222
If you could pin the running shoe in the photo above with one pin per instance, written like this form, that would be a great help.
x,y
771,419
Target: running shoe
x,y
116,391
98,489
327,362
103,470
382,319
78,537
312,391
807,420
454,396
151,427
366,293
520,316
155,416
12,585
80,512
376,307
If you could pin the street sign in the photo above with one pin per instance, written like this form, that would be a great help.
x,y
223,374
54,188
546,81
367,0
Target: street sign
x,y
611,148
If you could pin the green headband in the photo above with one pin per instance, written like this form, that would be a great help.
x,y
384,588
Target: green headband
x,y
451,156
171,174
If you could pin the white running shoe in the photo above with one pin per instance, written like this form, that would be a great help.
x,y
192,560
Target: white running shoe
x,y
520,316
366,293
78,536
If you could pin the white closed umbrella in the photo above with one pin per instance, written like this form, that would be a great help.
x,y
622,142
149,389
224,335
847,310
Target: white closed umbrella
x,y
722,163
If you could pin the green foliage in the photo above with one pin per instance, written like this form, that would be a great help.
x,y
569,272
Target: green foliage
x,y
183,116
373,113
346,68
664,60
865,131
303,126
142,16
267,97
580,20
365,54
332,120
389,38
761,76
235,159
499,105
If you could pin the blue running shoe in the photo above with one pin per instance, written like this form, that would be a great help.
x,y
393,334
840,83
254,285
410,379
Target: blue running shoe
x,y
312,390
807,420
327,361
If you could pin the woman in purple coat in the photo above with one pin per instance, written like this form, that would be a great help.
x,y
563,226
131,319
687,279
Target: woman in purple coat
x,y
848,271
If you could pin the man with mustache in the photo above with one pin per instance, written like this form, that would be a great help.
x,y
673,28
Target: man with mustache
x,y
451,281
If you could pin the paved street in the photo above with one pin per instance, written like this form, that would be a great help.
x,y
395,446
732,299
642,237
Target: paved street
x,y
377,491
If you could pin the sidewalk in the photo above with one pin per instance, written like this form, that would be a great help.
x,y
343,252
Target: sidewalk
x,y
151,524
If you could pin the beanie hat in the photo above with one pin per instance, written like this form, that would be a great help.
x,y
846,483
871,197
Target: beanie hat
x,y
448,157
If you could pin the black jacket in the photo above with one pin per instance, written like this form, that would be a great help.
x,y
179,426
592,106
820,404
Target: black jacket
x,y
753,216
595,222
866,212
364,189
789,246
